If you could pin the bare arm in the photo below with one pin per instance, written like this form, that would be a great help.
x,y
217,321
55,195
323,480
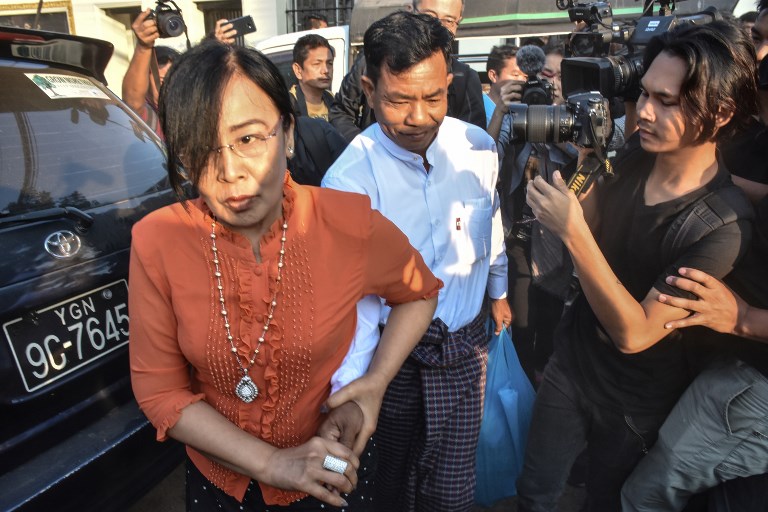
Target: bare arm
x,y
633,326
406,325
301,468
136,80
718,307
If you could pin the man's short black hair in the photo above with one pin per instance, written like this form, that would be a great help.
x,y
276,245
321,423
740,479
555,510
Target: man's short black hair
x,y
499,56
313,16
403,39
307,43
165,54
748,17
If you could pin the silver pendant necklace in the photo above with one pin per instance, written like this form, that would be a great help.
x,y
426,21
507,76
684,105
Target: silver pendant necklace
x,y
246,390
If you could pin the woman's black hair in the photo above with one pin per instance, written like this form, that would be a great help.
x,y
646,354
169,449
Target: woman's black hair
x,y
403,39
720,75
191,100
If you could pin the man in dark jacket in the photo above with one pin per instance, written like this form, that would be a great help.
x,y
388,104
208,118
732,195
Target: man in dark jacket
x,y
350,113
313,67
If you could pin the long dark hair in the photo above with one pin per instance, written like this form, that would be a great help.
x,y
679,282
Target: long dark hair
x,y
720,60
191,100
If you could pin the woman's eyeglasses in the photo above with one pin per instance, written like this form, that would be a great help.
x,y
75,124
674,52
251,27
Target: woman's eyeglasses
x,y
251,145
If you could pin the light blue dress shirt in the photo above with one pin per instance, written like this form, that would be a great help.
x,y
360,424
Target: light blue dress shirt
x,y
450,215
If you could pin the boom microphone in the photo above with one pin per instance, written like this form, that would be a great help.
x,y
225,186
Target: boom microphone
x,y
531,60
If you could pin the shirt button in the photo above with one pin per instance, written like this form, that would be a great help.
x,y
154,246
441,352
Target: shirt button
x,y
436,222
257,271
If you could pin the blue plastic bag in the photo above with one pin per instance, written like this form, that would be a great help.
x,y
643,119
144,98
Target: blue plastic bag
x,y
509,398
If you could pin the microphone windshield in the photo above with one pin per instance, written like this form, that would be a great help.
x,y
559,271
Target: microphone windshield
x,y
531,60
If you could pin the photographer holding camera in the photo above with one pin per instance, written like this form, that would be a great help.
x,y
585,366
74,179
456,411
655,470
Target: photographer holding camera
x,y
149,64
536,310
617,371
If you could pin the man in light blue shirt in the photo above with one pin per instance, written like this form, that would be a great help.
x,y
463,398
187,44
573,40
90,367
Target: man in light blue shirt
x,y
434,177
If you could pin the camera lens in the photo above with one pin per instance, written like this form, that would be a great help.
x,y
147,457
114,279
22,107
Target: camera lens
x,y
541,123
627,72
174,25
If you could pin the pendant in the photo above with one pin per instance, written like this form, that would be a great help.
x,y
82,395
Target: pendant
x,y
246,390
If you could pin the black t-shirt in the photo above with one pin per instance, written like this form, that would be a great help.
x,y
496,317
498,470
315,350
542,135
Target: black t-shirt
x,y
648,382
746,153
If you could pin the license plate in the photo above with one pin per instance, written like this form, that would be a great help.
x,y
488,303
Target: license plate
x,y
67,336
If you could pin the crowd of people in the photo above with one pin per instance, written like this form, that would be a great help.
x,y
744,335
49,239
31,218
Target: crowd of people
x,y
312,319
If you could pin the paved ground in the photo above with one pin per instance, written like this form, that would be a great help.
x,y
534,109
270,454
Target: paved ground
x,y
168,496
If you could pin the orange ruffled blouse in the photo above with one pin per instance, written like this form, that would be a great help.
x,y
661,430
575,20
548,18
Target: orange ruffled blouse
x,y
337,251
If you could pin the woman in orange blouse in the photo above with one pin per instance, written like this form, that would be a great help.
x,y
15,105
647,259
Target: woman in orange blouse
x,y
243,301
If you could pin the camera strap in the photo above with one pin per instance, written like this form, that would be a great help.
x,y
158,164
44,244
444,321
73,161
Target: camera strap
x,y
154,71
592,166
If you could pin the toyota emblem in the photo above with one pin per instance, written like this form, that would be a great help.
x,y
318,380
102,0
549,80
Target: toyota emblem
x,y
62,244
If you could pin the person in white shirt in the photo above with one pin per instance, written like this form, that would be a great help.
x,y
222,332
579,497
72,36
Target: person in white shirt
x,y
434,177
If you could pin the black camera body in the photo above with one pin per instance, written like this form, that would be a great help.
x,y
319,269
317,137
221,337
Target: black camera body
x,y
592,13
596,39
167,15
611,76
619,75
584,120
537,91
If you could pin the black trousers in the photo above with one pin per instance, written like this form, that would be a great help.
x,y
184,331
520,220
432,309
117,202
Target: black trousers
x,y
203,496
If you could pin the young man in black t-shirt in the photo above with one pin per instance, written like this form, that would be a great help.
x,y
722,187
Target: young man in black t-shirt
x,y
616,371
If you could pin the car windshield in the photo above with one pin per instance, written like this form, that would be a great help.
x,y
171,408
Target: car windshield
x,y
55,125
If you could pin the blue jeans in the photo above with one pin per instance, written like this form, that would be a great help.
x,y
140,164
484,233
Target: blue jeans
x,y
718,431
564,422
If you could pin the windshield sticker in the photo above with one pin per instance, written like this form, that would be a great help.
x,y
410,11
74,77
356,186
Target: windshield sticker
x,y
66,86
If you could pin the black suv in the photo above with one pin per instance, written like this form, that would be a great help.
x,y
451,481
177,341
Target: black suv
x,y
77,169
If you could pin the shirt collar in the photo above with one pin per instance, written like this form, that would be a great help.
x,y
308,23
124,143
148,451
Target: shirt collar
x,y
403,154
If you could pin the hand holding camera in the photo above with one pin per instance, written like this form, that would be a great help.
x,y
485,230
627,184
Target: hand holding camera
x,y
145,29
168,20
510,91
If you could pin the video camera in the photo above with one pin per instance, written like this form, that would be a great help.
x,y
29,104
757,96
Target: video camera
x,y
620,74
599,33
167,15
535,91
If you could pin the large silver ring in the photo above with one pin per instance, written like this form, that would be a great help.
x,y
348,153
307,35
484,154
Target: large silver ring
x,y
335,464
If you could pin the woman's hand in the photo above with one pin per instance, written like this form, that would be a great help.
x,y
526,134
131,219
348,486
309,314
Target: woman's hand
x,y
367,392
556,207
301,469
